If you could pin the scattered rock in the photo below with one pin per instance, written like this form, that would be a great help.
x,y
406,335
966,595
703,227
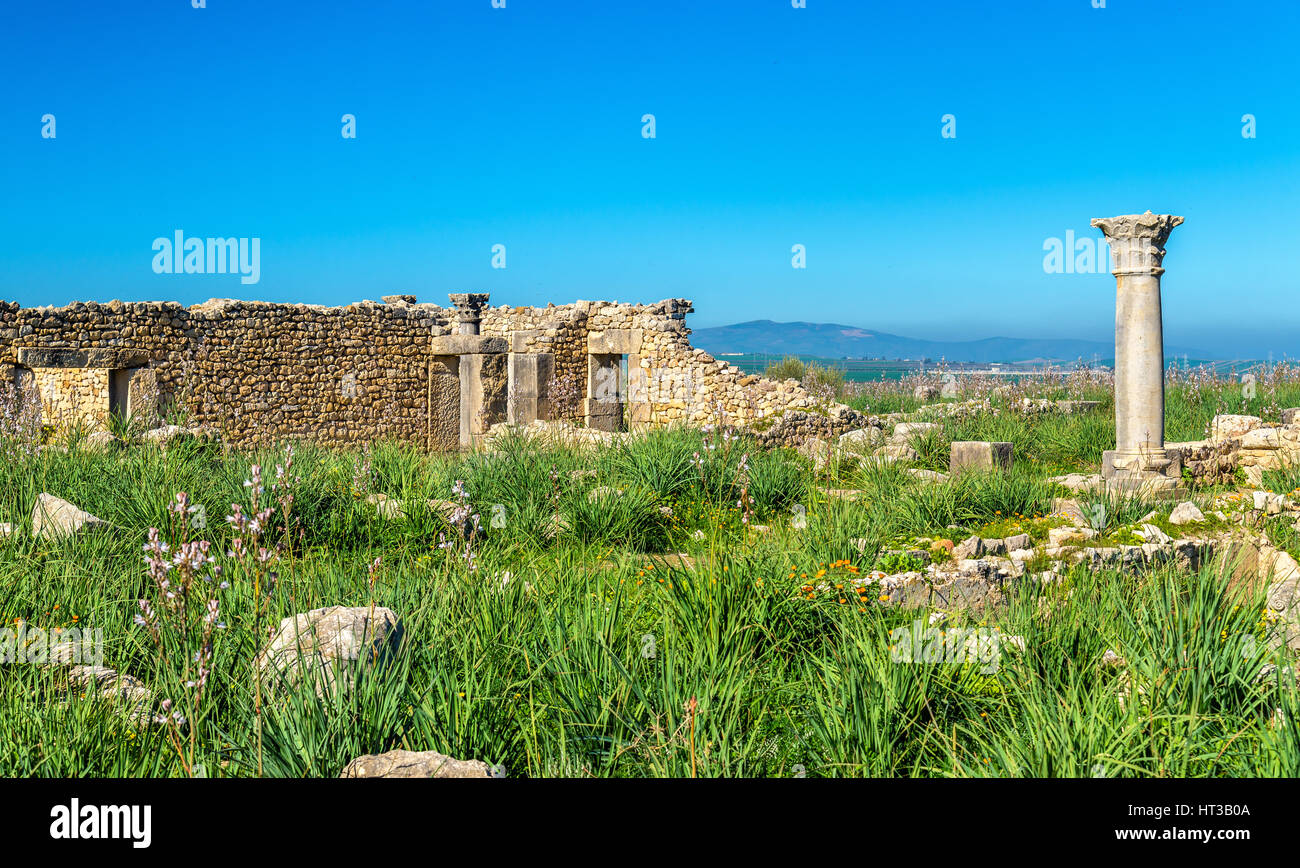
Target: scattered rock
x,y
862,440
1230,426
1059,536
1080,482
324,644
1018,542
55,518
1153,534
168,435
100,442
1269,503
1186,513
414,764
971,547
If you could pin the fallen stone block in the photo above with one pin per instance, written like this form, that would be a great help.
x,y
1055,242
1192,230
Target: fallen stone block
x,y
978,455
1153,534
971,547
1060,536
1269,503
862,440
1261,438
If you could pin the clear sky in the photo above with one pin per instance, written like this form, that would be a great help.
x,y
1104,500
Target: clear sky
x,y
775,126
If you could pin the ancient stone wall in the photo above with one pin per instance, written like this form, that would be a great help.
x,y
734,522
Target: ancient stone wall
x,y
261,373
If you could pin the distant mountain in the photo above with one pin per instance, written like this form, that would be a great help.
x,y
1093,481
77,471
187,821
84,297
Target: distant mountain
x,y
830,340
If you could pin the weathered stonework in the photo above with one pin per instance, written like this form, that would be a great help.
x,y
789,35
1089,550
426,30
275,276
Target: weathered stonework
x,y
261,373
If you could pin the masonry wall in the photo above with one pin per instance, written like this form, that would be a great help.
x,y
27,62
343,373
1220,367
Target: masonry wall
x,y
262,373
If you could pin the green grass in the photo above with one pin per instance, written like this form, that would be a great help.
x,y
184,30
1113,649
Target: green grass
x,y
597,659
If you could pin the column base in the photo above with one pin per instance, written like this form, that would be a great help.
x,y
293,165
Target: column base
x,y
1146,483
1160,462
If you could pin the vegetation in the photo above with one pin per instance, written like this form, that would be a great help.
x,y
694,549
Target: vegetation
x,y
684,604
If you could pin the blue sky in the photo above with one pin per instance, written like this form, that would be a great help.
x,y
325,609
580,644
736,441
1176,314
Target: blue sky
x,y
775,126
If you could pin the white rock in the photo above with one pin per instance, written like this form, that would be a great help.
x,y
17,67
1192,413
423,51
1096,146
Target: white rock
x,y
323,644
1153,534
414,764
1186,513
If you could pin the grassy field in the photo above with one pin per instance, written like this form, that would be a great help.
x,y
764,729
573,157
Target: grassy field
x,y
589,646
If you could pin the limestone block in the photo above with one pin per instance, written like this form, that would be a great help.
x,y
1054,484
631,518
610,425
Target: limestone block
x,y
603,415
615,342
979,455
530,377
1228,426
459,345
1261,438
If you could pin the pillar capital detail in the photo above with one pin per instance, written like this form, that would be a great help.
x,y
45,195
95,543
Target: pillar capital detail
x,y
469,310
1137,241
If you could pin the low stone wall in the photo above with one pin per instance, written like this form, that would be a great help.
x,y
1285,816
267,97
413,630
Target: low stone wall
x,y
1243,442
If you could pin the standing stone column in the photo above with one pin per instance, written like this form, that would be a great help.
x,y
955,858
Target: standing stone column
x,y
1137,251
480,365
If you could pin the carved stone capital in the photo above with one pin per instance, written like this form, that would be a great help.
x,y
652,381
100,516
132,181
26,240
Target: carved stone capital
x,y
1137,241
469,310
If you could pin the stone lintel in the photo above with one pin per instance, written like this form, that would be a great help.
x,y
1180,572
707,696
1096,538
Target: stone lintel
x,y
59,357
615,342
462,345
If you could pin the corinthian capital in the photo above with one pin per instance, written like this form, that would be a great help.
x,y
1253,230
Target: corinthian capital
x,y
1137,241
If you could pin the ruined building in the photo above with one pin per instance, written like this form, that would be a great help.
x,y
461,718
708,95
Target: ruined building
x,y
436,377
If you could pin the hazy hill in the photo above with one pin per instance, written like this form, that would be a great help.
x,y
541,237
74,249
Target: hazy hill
x,y
831,340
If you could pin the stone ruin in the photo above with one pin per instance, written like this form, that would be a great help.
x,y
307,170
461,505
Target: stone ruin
x,y
435,377
1140,458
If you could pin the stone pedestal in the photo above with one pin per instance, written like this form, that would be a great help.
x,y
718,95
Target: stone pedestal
x,y
1139,458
